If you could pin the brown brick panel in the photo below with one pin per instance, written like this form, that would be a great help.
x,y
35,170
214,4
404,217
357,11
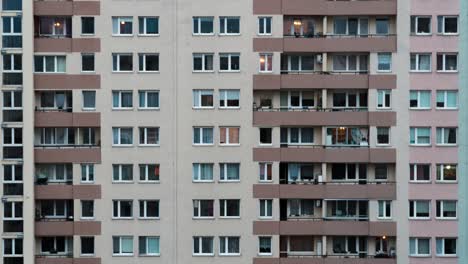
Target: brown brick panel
x,y
67,155
64,119
66,81
67,8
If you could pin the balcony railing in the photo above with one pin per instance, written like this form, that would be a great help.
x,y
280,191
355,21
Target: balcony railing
x,y
326,72
316,180
338,36
361,255
309,109
50,109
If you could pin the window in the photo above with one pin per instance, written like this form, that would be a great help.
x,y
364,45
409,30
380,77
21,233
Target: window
x,y
446,247
382,26
122,99
87,209
419,247
12,136
298,63
446,209
381,172
264,25
229,98
12,173
300,208
447,62
229,172
122,245
13,210
447,99
148,62
229,245
202,246
203,98
122,62
340,99
122,136
229,62
265,172
264,246
203,208
229,208
148,246
265,136
229,135
420,136
266,208
149,136
384,62
229,25
302,99
203,136
12,69
297,135
202,62
350,63
87,246
202,172
122,26
89,100
446,136
55,173
420,99
266,62
383,135
203,26
149,172
149,209
122,172
55,209
350,26
148,99
56,245
419,209
87,26
421,25
384,99
12,247
51,136
12,5
446,172
420,62
87,173
385,209
12,100
345,172
122,209
420,172
87,62
148,26
12,37
49,64
447,25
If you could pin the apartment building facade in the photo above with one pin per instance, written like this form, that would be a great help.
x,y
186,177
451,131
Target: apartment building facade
x,y
264,131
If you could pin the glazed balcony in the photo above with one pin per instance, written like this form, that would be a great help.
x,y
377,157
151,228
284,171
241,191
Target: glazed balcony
x,y
325,7
66,8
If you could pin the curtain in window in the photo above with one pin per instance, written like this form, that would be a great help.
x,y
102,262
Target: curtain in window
x,y
232,171
424,62
423,135
451,99
127,245
126,136
294,207
307,135
222,135
61,65
207,135
412,246
423,246
233,245
439,246
294,135
60,100
232,98
307,207
422,209
340,26
293,171
153,245
206,172
363,26
207,245
153,99
234,135
339,63
196,135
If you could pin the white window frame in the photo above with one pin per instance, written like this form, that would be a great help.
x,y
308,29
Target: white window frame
x,y
117,57
14,130
225,251
56,206
13,211
119,94
147,172
358,58
81,207
378,61
414,167
414,217
387,214
299,143
11,94
197,20
382,93
440,169
67,246
263,168
440,204
445,93
14,179
81,249
94,62
145,93
119,20
265,204
119,209
228,140
87,170
416,129
83,102
441,31
203,57
389,143
229,56
119,167
267,60
224,203
142,58
418,96
442,131
120,253
145,136
223,166
271,246
416,22
143,19
12,62
444,62
417,58
56,69
198,93
119,140
200,247
262,23
197,204
416,240
198,178
147,238
145,209
443,247
13,247
201,143
226,18
223,97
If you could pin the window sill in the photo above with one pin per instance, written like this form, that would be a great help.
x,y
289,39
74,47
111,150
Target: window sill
x,y
203,108
122,255
88,109
149,255
446,182
122,218
87,218
122,146
446,256
202,145
122,35
264,254
230,255
203,255
203,218
147,72
420,108
229,181
148,145
420,219
229,108
229,71
149,182
122,109
122,72
420,182
420,145
416,71
195,181
446,145
447,108
201,71
264,34
203,34
449,71
229,145
148,218
148,35
421,34
229,217
447,218
123,182
420,256
229,34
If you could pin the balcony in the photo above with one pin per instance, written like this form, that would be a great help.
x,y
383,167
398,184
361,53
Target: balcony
x,y
323,80
66,81
327,43
325,7
327,190
66,260
67,8
68,154
325,227
66,119
61,191
321,117
327,259
67,228
44,44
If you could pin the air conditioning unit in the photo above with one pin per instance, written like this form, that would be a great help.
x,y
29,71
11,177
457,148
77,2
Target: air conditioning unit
x,y
318,203
319,58
320,178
